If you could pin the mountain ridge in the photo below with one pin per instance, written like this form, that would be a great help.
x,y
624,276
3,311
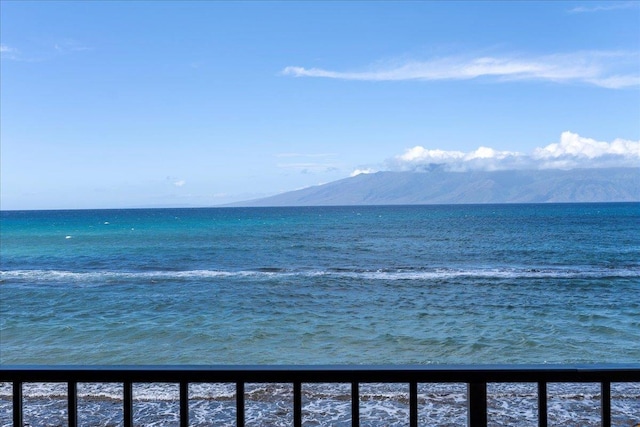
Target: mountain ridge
x,y
472,187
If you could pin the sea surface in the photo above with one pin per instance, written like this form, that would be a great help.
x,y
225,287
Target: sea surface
x,y
463,284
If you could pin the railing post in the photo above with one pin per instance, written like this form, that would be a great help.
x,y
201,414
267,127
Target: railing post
x,y
239,404
542,404
413,404
477,404
355,404
184,404
605,403
128,403
72,403
297,404
17,403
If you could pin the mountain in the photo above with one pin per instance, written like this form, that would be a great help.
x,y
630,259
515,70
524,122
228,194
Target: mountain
x,y
440,187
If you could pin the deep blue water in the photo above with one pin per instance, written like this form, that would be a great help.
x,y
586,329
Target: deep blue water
x,y
397,284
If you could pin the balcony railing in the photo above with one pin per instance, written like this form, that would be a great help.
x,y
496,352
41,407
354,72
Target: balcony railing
x,y
476,378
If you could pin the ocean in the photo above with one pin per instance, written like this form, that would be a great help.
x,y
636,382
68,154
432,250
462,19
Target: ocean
x,y
456,284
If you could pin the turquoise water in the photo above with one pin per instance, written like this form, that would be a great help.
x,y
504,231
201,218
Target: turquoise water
x,y
405,284
325,285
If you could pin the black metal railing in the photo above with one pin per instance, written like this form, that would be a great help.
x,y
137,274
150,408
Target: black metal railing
x,y
476,378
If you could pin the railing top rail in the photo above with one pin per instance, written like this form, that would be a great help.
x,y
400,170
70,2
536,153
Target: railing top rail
x,y
323,373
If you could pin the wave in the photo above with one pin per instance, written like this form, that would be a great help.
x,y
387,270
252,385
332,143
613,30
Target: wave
x,y
107,276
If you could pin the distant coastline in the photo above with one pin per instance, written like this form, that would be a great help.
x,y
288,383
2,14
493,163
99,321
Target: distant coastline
x,y
438,187
475,187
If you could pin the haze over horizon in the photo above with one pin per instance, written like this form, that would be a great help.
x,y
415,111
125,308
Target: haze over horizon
x,y
113,104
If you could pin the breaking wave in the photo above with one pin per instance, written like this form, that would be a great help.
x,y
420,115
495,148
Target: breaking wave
x,y
62,276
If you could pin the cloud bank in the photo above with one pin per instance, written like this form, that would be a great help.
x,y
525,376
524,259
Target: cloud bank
x,y
612,70
571,152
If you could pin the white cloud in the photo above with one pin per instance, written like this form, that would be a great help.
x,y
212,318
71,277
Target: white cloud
x,y
69,45
180,183
605,7
611,70
421,154
362,171
490,153
8,52
572,151
43,51
482,158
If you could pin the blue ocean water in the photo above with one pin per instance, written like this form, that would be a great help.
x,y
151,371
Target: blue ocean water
x,y
397,284
322,285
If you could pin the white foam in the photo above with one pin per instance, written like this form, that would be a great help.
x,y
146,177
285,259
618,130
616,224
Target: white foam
x,y
47,276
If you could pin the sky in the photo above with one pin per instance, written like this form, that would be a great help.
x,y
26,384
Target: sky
x,y
113,104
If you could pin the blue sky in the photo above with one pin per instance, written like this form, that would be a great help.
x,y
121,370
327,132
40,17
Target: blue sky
x,y
137,104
